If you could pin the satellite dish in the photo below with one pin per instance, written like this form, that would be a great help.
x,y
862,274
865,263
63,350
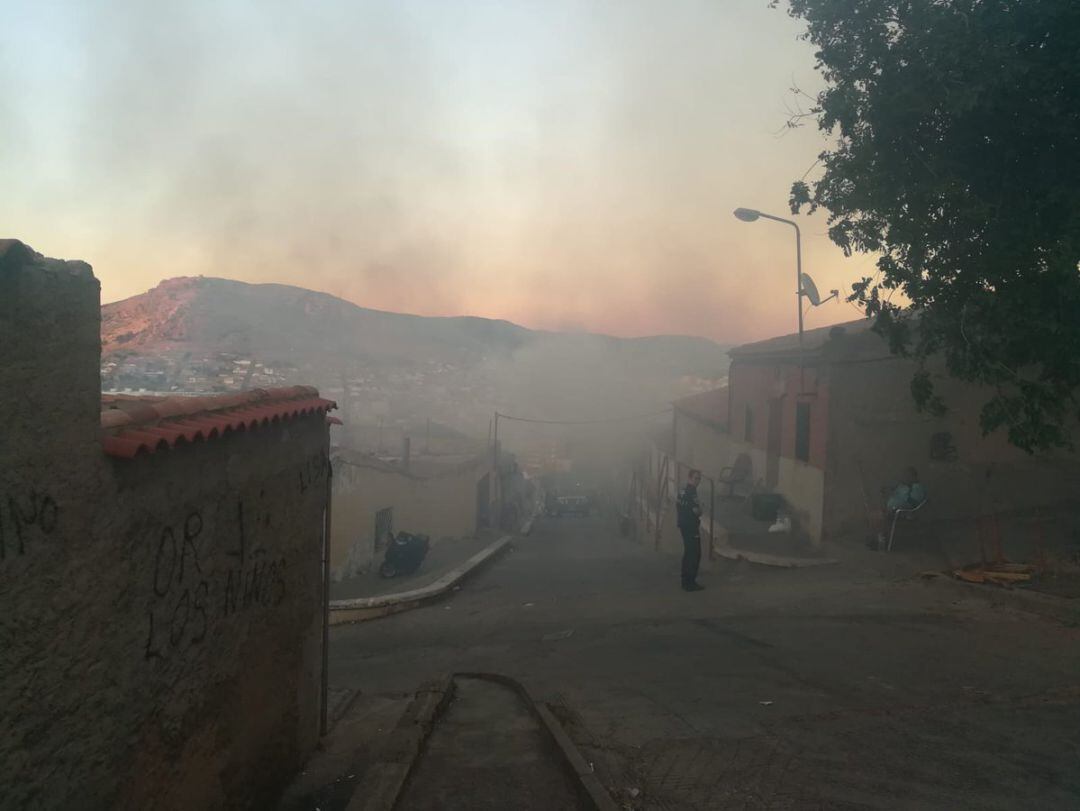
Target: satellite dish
x,y
809,289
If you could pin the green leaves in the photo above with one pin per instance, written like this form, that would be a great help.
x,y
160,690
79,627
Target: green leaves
x,y
957,159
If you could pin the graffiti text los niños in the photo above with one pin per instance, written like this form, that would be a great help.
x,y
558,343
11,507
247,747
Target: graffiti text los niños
x,y
193,591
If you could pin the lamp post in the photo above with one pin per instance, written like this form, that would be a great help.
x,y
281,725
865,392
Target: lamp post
x,y
496,483
750,215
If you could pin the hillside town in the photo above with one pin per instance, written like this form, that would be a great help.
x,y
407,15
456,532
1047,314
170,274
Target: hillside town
x,y
367,393
395,369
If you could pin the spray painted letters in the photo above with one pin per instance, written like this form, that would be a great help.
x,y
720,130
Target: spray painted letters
x,y
24,517
190,595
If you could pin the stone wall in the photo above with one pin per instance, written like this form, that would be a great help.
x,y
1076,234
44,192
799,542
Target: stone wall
x,y
161,617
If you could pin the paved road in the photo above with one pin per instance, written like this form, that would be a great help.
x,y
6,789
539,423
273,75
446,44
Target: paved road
x,y
827,688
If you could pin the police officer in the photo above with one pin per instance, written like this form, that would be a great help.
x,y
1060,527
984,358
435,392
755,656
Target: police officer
x,y
688,510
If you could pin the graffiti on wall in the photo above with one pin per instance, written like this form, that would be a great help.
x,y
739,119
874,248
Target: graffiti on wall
x,y
313,472
25,516
201,577
195,586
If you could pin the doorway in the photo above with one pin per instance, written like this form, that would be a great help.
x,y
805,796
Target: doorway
x,y
774,442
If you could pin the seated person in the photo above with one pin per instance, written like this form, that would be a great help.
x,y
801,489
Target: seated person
x,y
907,495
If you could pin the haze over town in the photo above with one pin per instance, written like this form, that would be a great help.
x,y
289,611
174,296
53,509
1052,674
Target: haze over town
x,y
416,405
563,165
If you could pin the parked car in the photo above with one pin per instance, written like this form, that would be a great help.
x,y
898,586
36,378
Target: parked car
x,y
569,499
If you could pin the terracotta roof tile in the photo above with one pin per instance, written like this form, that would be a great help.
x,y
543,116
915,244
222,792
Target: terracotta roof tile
x,y
135,424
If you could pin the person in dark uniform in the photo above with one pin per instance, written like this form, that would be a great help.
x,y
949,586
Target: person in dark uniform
x,y
688,512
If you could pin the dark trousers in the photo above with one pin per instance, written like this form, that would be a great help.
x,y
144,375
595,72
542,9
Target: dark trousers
x,y
691,558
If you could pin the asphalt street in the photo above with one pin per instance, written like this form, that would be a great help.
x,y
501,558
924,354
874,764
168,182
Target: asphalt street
x,y
835,687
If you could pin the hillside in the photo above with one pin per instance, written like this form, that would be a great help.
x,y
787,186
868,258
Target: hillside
x,y
199,312
205,334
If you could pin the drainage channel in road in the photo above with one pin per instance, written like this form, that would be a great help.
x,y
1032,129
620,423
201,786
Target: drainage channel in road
x,y
488,751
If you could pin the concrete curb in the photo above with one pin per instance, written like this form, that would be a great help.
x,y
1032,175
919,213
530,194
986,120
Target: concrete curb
x,y
527,527
1062,609
385,778
360,609
589,787
765,559
338,709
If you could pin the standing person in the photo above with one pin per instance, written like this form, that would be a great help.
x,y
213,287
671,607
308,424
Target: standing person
x,y
688,511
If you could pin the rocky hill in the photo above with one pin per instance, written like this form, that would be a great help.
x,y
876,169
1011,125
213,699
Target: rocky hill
x,y
205,334
230,316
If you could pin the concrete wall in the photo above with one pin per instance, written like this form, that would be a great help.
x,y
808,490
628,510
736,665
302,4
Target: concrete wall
x,y
702,445
802,484
876,431
160,617
441,505
803,487
706,447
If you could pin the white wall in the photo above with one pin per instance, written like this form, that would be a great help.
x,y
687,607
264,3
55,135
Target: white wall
x,y
708,448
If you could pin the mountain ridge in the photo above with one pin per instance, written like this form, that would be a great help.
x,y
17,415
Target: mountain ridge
x,y
203,334
180,288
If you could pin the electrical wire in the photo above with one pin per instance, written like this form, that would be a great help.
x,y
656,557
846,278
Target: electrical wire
x,y
584,422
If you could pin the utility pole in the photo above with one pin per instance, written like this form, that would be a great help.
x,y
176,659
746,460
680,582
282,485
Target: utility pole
x,y
496,484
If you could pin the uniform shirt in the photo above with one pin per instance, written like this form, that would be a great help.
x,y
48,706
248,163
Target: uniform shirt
x,y
688,509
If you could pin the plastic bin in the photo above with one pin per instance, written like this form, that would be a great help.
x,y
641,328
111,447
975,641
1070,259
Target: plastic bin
x,y
765,506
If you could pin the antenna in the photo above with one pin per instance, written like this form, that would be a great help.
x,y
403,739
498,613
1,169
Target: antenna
x,y
809,289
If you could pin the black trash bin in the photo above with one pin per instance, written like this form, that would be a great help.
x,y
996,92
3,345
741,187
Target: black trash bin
x,y
765,506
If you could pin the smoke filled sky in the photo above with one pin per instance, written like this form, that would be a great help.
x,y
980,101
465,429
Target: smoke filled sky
x,y
566,165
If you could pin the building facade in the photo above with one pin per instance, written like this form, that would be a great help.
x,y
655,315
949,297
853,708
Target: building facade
x,y
161,562
829,423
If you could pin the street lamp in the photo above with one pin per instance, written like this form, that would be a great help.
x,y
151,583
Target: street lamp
x,y
750,215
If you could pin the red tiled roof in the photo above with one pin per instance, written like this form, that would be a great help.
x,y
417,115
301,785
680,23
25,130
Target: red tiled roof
x,y
709,406
145,424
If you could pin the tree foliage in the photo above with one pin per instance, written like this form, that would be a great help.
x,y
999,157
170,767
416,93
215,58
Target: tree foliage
x,y
957,159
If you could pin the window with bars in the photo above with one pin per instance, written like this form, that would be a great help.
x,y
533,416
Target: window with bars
x,y
384,527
